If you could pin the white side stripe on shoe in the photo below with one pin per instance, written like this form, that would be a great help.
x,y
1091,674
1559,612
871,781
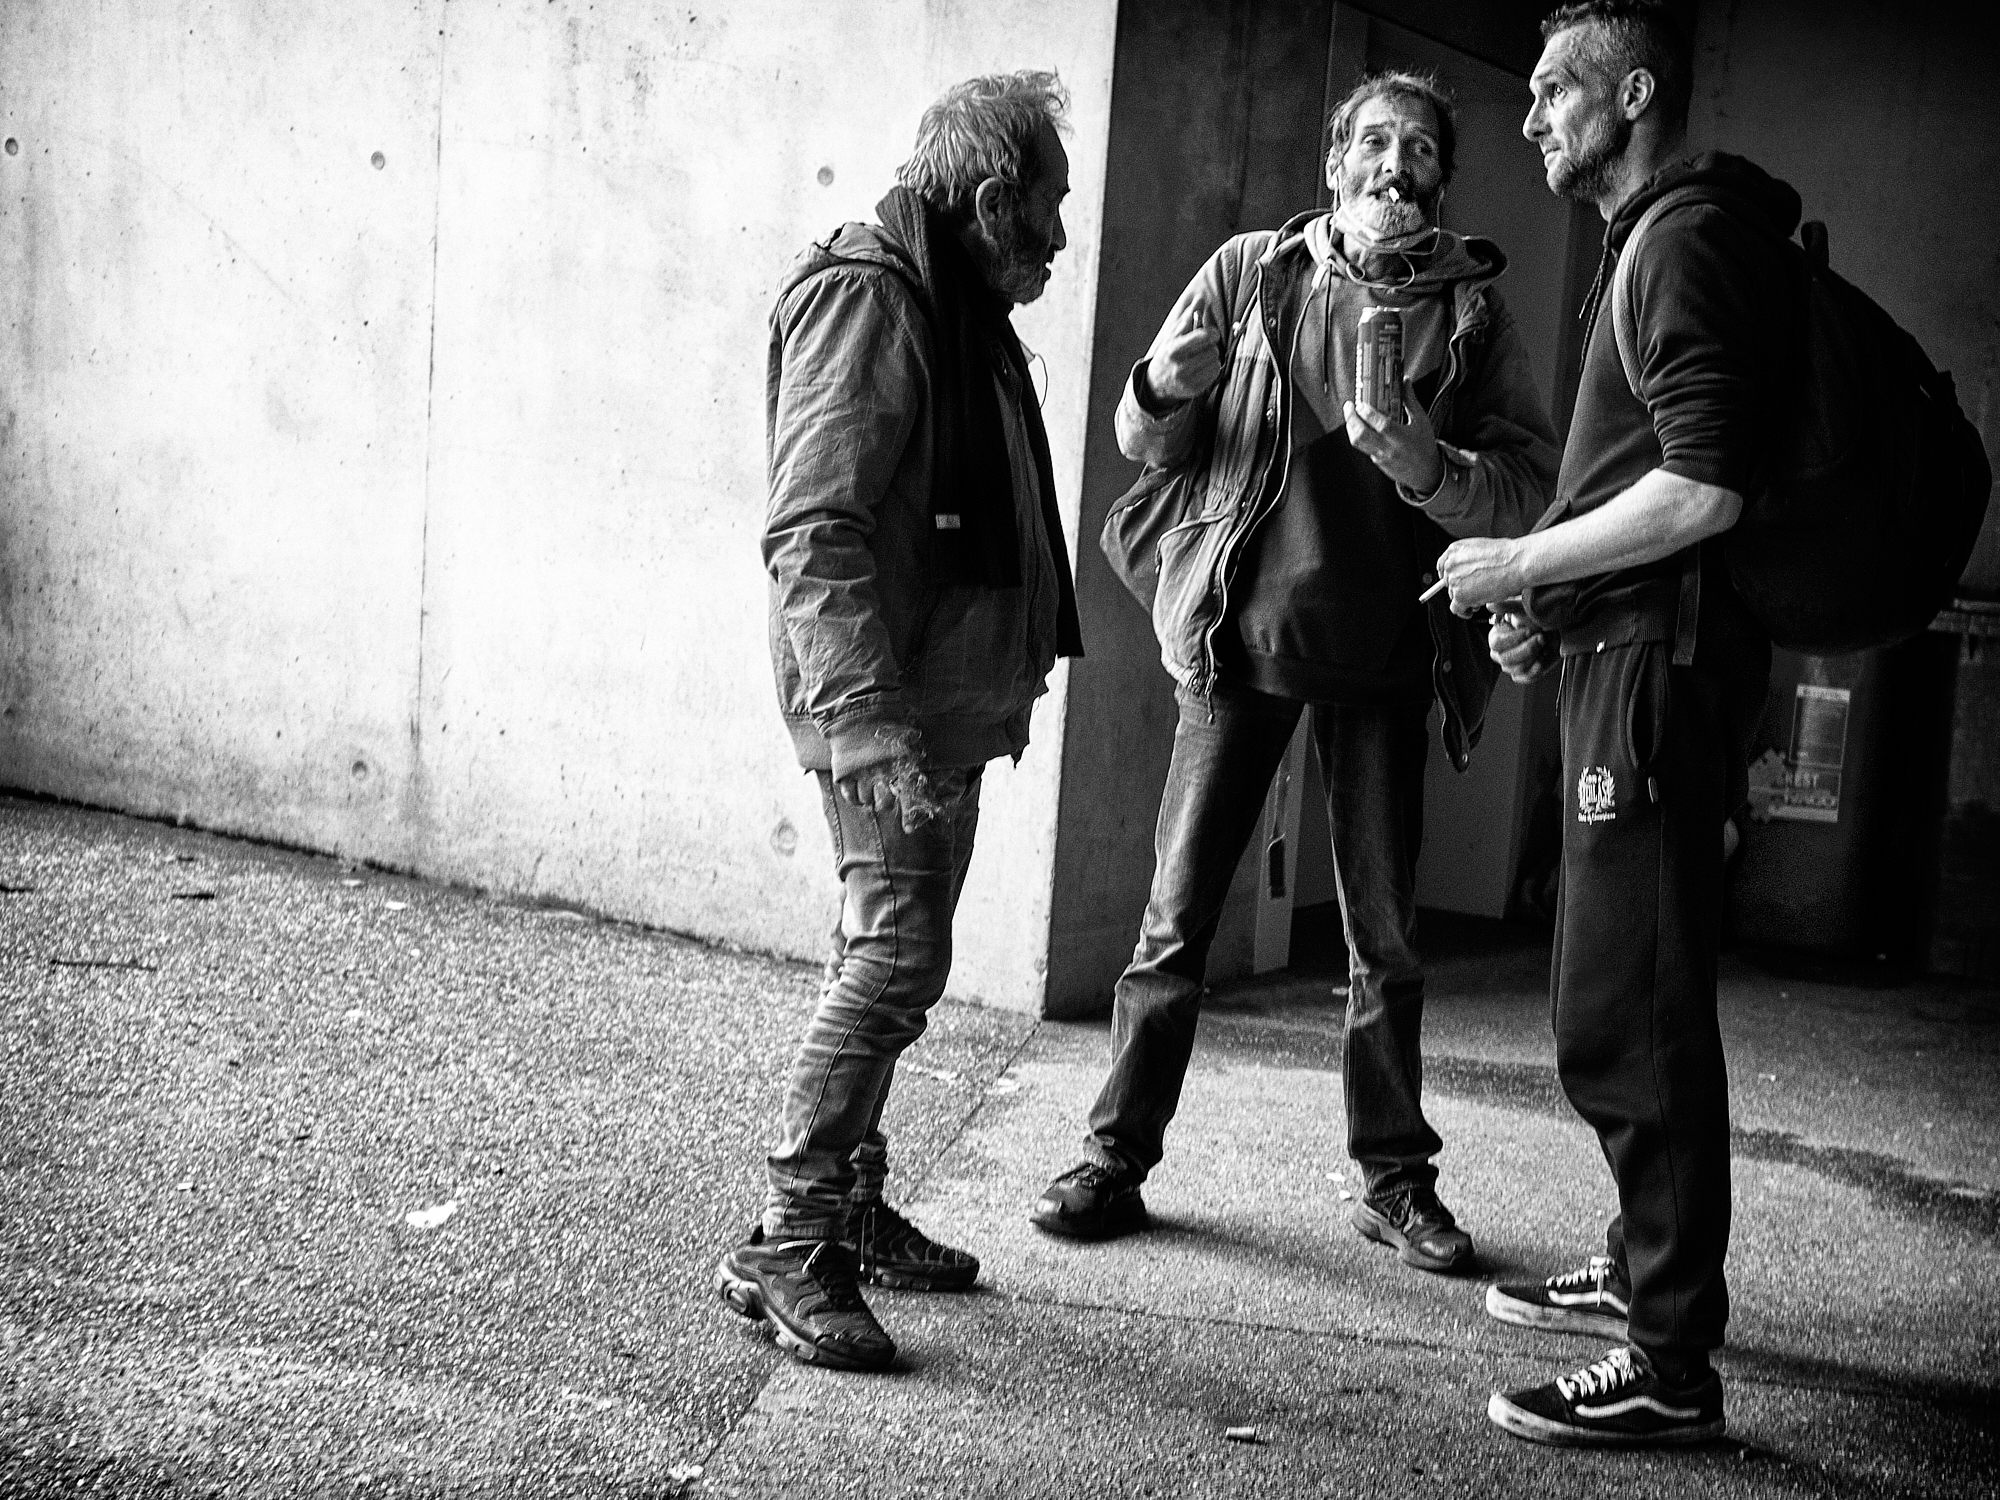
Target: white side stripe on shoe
x,y
1593,1298
1633,1403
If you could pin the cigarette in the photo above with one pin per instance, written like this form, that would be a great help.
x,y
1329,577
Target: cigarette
x,y
1432,592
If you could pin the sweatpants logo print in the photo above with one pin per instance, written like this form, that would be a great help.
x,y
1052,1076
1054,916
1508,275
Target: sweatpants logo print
x,y
1596,796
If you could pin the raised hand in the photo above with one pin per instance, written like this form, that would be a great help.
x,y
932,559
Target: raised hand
x,y
1189,362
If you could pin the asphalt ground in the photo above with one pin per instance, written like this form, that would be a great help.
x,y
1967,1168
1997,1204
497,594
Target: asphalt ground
x,y
318,1181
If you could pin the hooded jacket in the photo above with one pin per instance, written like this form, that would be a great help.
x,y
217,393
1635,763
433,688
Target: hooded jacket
x,y
1498,447
1715,312
866,635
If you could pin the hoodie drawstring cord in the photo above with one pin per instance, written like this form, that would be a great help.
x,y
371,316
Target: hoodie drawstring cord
x,y
1600,284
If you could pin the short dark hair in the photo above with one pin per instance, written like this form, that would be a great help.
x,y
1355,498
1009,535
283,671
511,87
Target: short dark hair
x,y
1396,84
1633,34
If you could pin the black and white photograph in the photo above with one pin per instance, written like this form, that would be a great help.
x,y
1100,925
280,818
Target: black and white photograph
x,y
911,749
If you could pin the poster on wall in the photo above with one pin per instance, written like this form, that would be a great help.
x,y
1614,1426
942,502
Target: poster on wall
x,y
1803,785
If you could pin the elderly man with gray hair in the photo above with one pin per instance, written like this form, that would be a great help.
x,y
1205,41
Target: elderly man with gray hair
x,y
920,595
1292,585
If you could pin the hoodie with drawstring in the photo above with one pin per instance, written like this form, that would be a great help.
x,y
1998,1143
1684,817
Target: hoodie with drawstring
x,y
1664,673
1715,302
1299,574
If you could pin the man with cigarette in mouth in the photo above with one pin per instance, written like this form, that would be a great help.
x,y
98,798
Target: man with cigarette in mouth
x,y
1664,671
1294,587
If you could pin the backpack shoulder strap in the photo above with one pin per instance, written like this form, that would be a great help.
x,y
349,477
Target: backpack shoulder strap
x,y
1624,316
1625,329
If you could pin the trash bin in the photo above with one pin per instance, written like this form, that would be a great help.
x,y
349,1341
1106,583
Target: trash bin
x,y
1846,783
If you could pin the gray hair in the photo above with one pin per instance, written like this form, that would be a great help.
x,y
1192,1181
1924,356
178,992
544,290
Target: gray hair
x,y
1424,88
984,127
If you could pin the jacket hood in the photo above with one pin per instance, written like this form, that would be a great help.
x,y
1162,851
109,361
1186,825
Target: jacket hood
x,y
864,244
1746,186
1456,260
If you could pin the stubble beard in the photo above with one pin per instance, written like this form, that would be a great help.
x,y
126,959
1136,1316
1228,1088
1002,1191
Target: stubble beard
x,y
1587,176
1014,259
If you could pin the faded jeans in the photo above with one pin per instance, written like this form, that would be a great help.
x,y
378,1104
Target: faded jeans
x,y
899,891
1226,750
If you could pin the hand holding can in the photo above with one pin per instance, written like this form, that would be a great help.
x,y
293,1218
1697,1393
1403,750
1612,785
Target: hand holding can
x,y
1378,362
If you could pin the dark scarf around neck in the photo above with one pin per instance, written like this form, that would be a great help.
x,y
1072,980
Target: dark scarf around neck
x,y
974,536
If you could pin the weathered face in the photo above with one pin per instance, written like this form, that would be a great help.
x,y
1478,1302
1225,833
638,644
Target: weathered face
x,y
1022,242
1576,120
1390,174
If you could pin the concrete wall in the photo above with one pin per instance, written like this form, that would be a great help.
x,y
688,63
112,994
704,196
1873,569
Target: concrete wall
x,y
1216,130
409,510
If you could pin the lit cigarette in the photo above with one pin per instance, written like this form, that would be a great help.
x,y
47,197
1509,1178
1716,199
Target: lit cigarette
x,y
1432,592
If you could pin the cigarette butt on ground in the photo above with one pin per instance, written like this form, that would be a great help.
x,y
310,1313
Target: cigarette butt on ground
x,y
1432,592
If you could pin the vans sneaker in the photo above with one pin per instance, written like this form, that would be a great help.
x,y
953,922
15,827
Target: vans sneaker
x,y
1617,1402
893,1252
806,1291
1593,1300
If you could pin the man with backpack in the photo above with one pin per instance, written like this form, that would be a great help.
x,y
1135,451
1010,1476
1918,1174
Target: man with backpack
x,y
1295,586
1664,670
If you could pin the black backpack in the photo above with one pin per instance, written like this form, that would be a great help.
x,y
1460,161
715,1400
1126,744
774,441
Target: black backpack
x,y
1877,483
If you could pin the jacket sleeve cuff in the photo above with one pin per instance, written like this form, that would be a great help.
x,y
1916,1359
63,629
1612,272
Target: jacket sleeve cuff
x,y
1458,466
855,744
1703,468
1148,413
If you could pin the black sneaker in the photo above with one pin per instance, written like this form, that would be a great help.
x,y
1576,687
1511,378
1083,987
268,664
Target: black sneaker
x,y
1090,1202
1618,1401
806,1291
1421,1229
895,1253
1592,1300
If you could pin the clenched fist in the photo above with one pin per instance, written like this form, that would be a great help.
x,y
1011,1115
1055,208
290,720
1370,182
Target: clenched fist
x,y
1523,652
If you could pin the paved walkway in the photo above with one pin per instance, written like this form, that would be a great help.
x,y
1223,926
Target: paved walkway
x,y
316,1181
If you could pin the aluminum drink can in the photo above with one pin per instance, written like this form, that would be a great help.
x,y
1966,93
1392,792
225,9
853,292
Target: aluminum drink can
x,y
1378,361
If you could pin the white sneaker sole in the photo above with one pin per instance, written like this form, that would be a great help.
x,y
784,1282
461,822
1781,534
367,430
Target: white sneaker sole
x,y
746,1300
1512,1419
1595,1325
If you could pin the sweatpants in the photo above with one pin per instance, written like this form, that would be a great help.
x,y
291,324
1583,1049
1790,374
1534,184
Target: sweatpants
x,y
1652,757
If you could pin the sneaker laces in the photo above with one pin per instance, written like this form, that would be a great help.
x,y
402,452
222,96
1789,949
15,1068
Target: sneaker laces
x,y
1088,1174
878,1224
1409,1202
1610,1372
1596,1273
831,1268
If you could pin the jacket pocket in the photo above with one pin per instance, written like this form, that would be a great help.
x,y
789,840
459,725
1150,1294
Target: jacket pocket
x,y
1161,501
1188,596
1648,701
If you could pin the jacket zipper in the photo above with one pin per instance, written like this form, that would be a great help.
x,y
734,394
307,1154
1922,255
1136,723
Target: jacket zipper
x,y
1208,665
1205,670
